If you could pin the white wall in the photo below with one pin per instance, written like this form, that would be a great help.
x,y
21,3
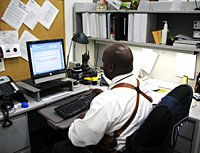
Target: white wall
x,y
69,22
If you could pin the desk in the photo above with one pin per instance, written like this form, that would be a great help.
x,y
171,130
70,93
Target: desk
x,y
16,137
188,140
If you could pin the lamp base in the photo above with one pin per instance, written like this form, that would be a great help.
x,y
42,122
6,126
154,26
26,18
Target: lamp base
x,y
81,75
85,68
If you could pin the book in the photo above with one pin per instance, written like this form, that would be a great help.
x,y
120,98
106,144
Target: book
x,y
112,26
187,43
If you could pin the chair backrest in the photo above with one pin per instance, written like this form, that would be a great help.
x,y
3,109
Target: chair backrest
x,y
158,133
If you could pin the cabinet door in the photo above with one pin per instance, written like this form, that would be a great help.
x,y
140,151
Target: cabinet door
x,y
16,137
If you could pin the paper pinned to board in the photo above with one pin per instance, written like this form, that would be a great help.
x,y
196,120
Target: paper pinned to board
x,y
33,17
15,14
48,14
149,58
2,66
185,65
26,36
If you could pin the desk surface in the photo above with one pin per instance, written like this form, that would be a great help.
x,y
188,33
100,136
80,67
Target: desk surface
x,y
194,111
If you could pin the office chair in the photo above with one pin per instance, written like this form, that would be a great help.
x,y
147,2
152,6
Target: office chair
x,y
159,132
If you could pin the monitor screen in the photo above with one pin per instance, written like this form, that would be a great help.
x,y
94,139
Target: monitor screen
x,y
46,60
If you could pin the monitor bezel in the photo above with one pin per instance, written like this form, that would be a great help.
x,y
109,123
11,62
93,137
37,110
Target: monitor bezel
x,y
52,75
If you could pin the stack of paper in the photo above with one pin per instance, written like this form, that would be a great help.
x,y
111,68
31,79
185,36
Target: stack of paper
x,y
187,43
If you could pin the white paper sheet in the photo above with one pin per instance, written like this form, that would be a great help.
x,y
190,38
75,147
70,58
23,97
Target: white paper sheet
x,y
26,36
148,59
136,63
185,65
48,14
176,5
2,66
15,14
33,16
8,37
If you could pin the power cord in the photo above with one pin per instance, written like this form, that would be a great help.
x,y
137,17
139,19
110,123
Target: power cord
x,y
197,8
6,105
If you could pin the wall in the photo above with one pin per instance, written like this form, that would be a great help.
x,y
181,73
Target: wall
x,y
164,68
69,22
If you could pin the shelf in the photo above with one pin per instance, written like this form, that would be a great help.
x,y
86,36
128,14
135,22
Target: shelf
x,y
135,11
147,45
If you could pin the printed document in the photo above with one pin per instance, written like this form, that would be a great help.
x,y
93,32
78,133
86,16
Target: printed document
x,y
33,16
2,66
15,14
26,36
149,58
10,44
8,37
185,65
49,13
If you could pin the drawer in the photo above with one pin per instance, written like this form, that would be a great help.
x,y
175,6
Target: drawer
x,y
187,130
183,145
15,137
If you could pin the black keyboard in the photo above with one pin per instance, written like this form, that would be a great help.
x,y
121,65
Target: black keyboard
x,y
75,106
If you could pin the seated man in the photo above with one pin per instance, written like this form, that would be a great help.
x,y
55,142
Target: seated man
x,y
111,109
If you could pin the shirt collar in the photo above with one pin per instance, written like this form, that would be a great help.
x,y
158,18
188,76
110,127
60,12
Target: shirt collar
x,y
118,78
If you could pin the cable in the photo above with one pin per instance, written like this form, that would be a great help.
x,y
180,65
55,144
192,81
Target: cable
x,y
5,111
97,57
197,8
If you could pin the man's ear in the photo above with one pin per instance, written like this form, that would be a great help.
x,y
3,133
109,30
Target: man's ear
x,y
111,67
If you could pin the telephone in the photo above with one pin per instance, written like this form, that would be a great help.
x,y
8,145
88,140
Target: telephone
x,y
8,87
8,91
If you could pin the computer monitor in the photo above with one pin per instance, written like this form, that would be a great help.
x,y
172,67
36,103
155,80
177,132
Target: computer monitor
x,y
46,60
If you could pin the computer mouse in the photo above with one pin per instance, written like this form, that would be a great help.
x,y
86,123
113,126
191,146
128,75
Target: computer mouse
x,y
75,83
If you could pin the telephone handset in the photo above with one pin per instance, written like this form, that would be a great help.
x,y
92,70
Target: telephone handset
x,y
8,88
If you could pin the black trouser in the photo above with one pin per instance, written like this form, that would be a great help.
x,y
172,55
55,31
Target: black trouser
x,y
68,147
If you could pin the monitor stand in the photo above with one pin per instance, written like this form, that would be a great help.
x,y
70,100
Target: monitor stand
x,y
43,89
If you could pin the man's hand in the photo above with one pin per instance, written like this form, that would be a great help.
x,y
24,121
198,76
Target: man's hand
x,y
97,91
81,116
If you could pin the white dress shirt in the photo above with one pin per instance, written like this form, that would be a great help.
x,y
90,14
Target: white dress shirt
x,y
109,111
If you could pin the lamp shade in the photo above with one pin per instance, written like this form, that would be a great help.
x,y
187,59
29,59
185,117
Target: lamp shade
x,y
81,38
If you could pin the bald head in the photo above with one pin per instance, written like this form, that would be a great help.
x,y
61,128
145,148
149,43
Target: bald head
x,y
117,60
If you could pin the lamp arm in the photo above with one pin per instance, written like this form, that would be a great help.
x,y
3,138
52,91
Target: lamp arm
x,y
68,54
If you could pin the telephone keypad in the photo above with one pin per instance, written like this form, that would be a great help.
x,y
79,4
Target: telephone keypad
x,y
7,89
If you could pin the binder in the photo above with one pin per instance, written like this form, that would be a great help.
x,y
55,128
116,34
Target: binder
x,y
144,24
102,25
86,24
121,26
136,29
108,25
93,25
148,24
130,27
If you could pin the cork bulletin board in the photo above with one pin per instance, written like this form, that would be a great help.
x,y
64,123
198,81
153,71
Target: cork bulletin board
x,y
18,68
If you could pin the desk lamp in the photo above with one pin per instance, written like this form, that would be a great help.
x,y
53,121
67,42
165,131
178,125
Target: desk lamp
x,y
81,38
